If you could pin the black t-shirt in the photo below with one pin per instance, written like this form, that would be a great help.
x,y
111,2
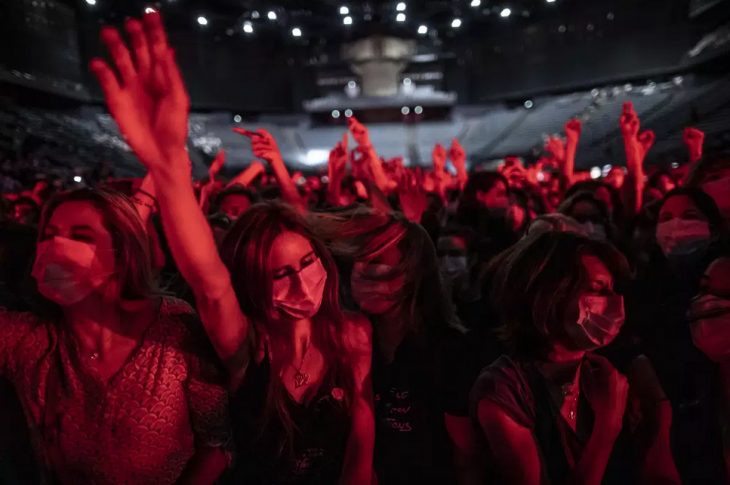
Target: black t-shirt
x,y
425,381
316,454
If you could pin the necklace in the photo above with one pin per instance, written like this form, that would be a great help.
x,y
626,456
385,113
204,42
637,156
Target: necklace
x,y
301,379
570,391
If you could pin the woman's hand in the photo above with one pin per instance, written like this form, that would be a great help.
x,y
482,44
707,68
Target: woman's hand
x,y
359,132
148,101
606,391
439,158
263,145
337,164
217,165
693,139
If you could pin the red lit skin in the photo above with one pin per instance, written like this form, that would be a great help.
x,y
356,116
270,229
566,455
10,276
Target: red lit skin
x,y
155,126
636,145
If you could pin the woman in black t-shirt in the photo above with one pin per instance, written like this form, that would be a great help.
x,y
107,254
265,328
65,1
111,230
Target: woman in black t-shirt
x,y
420,359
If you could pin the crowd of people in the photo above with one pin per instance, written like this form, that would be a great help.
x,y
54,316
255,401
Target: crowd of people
x,y
384,325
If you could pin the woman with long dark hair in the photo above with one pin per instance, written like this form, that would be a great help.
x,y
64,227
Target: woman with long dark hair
x,y
114,383
299,369
420,363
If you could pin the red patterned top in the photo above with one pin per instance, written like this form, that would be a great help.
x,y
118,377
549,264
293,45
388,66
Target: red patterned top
x,y
141,426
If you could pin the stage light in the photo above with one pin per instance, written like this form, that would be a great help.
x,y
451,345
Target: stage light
x,y
423,30
352,84
237,118
476,3
272,15
456,23
418,110
255,14
529,104
335,114
91,2
550,1
348,113
317,157
202,21
149,10
401,17
506,13
675,165
248,27
407,81
296,32
401,7
405,110
77,179
595,172
344,10
347,20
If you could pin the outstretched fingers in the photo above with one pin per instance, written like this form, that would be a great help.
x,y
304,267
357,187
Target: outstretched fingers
x,y
141,48
120,54
108,80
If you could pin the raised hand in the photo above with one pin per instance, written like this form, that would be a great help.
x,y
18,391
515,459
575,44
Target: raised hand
x,y
573,130
263,144
148,100
556,146
606,390
413,200
217,165
646,141
337,166
359,132
439,158
360,162
694,140
629,121
457,154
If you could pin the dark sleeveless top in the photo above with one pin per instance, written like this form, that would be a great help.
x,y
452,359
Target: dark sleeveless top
x,y
321,430
518,388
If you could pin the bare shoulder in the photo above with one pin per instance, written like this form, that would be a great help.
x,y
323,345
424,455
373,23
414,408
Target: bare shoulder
x,y
357,332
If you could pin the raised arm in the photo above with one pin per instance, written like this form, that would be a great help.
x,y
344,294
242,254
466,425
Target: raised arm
x,y
362,137
573,129
336,170
636,145
694,140
246,177
151,106
264,146
458,159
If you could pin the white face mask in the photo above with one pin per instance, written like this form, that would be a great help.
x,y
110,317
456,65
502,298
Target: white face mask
x,y
68,271
453,266
596,232
600,320
709,317
299,296
681,237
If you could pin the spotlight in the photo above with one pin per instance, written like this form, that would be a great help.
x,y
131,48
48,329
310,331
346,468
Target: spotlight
x,y
407,81
272,15
529,104
347,20
147,10
550,1
506,13
352,84
296,32
401,7
595,172
476,3
348,113
201,20
77,179
401,17
418,110
335,114
456,23
237,118
423,30
91,2
248,27
344,10
255,14
405,110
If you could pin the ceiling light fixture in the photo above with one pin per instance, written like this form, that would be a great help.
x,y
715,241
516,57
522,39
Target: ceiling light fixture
x,y
272,15
418,110
401,7
296,32
149,10
401,17
347,20
348,113
456,23
91,2
423,30
405,110
344,10
202,21
506,13
248,27
476,3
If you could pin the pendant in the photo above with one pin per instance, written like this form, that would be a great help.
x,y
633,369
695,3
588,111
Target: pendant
x,y
300,380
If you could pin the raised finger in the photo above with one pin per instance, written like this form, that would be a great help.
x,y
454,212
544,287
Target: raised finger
x,y
245,132
120,54
156,35
107,79
141,48
173,77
